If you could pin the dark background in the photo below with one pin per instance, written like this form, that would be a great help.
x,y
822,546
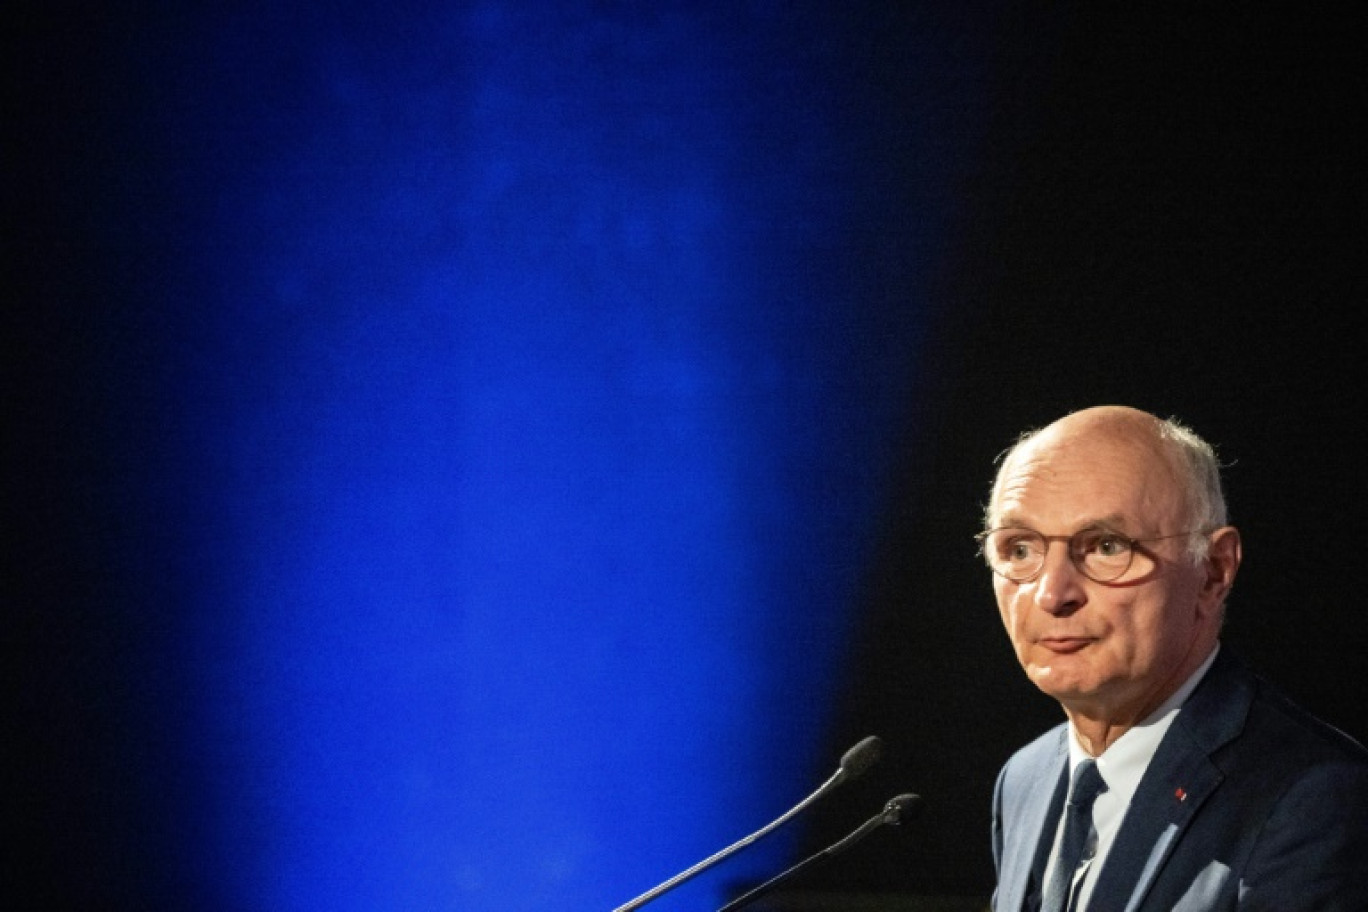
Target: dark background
x,y
1171,217
1167,212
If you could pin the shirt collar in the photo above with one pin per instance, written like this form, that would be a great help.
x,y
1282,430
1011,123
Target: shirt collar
x,y
1124,762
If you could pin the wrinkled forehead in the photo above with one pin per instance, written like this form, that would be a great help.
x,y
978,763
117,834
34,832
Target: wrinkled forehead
x,y
1060,481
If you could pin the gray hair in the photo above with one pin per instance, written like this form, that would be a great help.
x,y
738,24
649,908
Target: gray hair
x,y
1206,501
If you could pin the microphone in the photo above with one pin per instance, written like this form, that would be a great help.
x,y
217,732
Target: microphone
x,y
853,764
907,805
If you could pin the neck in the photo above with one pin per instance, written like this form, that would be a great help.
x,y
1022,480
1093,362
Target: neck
x,y
1100,723
1096,735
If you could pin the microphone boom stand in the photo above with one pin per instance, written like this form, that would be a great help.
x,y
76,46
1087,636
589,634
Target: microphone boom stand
x,y
891,814
853,763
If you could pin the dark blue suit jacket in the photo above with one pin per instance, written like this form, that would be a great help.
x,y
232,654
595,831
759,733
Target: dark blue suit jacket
x,y
1249,804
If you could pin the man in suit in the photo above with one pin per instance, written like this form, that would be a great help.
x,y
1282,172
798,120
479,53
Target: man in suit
x,y
1106,533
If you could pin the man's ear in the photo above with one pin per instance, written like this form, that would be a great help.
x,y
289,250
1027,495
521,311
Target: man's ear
x,y
1222,563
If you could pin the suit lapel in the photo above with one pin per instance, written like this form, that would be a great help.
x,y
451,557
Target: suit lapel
x,y
1172,790
1179,780
1038,809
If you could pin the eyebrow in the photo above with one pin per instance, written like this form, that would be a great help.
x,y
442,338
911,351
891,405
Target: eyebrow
x,y
1114,522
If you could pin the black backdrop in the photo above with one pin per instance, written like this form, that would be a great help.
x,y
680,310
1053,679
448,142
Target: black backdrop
x,y
1171,217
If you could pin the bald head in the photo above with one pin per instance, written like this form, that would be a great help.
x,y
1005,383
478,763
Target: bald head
x,y
1179,456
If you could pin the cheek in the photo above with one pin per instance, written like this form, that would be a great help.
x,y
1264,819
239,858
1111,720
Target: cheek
x,y
1012,609
1142,633
1004,602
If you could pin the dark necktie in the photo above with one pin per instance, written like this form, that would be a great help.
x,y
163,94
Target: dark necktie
x,y
1087,782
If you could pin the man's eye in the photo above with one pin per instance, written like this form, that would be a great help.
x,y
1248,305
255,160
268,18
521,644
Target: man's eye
x,y
1020,547
1110,545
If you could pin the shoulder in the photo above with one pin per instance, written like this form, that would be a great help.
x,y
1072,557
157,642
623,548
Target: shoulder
x,y
1240,713
1234,710
1026,770
1284,722
1281,767
1304,793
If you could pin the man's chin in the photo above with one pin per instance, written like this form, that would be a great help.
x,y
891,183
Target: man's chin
x,y
1058,683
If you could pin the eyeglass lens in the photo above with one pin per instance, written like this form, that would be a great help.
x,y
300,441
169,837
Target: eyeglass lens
x,y
1019,554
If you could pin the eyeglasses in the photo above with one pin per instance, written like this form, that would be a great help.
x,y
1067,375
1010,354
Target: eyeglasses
x,y
1099,554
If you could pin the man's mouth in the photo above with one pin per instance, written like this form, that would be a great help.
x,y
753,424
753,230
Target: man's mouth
x,y
1065,645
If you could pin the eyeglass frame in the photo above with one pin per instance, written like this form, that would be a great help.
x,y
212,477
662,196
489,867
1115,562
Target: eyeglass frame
x,y
1131,548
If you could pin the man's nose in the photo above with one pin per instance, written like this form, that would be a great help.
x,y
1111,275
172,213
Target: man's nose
x,y
1060,585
